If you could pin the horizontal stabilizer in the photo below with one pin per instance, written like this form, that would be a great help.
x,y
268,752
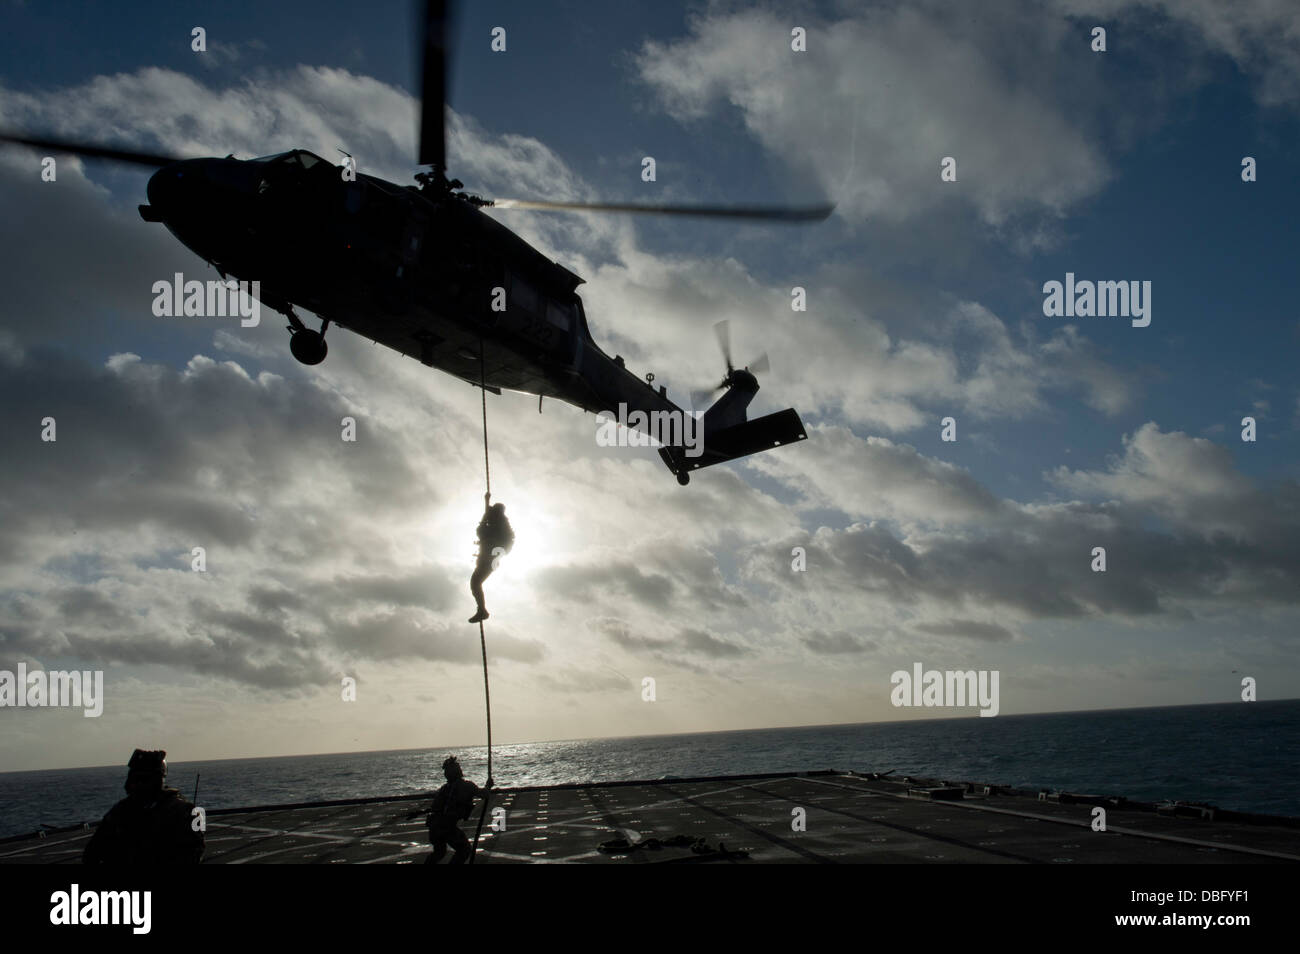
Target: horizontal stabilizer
x,y
739,440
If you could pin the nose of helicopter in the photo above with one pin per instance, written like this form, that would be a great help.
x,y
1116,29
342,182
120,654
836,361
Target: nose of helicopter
x,y
172,187
197,187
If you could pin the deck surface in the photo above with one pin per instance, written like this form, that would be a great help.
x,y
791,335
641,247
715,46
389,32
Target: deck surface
x,y
847,818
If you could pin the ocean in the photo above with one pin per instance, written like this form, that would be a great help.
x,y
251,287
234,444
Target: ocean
x,y
1240,755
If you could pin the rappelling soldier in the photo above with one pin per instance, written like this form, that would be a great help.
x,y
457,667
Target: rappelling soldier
x,y
153,825
495,537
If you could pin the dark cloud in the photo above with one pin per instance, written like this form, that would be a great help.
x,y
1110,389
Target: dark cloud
x,y
190,452
430,589
150,462
572,679
989,632
410,634
688,641
87,267
221,653
80,604
705,644
1039,566
836,644
611,579
620,632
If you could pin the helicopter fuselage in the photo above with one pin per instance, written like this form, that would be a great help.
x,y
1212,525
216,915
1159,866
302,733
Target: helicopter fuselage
x,y
424,272
421,271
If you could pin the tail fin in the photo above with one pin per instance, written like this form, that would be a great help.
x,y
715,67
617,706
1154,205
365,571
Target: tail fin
x,y
737,440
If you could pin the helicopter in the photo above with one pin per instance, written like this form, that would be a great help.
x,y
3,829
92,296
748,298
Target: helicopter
x,y
421,269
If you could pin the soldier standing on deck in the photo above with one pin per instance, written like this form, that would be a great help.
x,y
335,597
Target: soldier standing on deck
x,y
454,802
153,825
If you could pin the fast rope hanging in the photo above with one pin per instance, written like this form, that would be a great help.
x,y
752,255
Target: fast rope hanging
x,y
487,696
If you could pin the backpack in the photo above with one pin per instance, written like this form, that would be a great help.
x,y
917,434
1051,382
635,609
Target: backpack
x,y
496,532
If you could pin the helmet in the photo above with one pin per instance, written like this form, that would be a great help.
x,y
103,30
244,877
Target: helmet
x,y
148,763
146,771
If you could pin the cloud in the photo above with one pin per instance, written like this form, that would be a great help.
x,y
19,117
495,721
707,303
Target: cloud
x,y
705,644
690,640
581,582
327,557
573,679
875,477
619,632
835,644
964,548
1016,97
1262,37
969,629
939,357
1185,533
876,102
411,634
150,462
1165,471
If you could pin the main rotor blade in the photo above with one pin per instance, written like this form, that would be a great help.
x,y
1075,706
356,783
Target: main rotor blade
x,y
773,213
759,365
433,85
91,152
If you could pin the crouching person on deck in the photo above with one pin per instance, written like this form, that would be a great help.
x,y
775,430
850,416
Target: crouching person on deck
x,y
453,803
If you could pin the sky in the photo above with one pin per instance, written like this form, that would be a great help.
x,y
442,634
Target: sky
x,y
329,559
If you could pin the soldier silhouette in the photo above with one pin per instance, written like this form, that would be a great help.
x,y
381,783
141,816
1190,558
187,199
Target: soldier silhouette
x,y
452,803
153,825
493,532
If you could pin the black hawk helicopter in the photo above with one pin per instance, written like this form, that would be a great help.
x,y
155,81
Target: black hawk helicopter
x,y
418,269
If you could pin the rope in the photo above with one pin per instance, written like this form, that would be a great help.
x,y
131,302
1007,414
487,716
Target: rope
x,y
487,698
482,638
482,377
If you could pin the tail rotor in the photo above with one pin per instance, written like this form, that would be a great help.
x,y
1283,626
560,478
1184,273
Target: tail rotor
x,y
760,365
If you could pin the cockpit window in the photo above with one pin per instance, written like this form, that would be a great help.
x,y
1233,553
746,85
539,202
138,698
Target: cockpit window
x,y
295,157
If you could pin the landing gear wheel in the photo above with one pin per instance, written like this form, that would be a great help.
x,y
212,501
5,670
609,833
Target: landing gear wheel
x,y
683,478
308,346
